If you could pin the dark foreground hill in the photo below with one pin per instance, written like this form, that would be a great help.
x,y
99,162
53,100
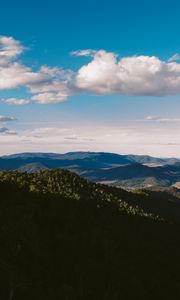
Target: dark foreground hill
x,y
162,203
62,237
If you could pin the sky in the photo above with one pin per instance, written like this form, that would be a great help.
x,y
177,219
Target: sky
x,y
90,76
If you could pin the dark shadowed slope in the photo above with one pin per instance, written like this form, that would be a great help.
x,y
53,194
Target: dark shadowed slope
x,y
62,237
67,184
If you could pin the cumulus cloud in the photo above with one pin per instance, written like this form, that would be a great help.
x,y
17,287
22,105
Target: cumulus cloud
x,y
46,80
53,90
52,97
105,74
9,49
137,75
15,75
46,85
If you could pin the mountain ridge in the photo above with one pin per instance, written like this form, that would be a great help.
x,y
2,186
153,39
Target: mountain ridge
x,y
126,171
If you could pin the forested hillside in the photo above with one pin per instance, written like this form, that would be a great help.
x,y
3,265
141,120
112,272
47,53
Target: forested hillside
x,y
62,237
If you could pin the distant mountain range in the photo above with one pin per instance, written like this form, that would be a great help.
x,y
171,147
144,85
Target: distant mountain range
x,y
127,171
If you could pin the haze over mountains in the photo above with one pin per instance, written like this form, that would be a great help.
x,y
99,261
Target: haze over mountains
x,y
127,171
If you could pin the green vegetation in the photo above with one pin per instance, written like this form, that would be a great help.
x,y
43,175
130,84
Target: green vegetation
x,y
71,186
64,238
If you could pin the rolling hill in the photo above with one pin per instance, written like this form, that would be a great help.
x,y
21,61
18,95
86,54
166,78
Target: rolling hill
x,y
127,171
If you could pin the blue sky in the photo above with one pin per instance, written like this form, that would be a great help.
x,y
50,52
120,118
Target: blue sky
x,y
121,95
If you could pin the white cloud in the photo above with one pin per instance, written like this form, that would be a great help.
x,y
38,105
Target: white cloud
x,y
15,75
53,90
46,81
137,75
9,49
52,97
104,74
158,119
50,84
16,101
88,52
152,118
